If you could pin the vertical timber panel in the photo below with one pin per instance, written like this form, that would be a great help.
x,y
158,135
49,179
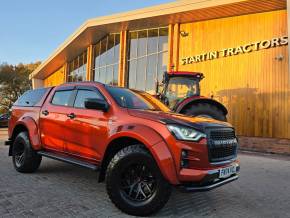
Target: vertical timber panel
x,y
176,43
255,86
123,59
89,76
170,47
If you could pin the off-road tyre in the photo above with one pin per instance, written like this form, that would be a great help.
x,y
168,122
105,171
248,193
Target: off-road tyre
x,y
25,159
120,167
205,110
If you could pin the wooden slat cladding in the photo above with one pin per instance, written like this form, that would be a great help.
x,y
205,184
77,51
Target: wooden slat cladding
x,y
227,10
57,78
254,86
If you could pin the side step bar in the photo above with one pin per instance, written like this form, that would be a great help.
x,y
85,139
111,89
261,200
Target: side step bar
x,y
68,160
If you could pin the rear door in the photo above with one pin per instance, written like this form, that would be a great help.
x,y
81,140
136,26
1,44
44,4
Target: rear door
x,y
53,118
88,129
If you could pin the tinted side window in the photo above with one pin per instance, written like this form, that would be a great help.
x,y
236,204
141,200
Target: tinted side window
x,y
62,98
31,97
82,95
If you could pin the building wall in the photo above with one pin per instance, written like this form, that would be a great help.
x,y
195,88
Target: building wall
x,y
254,86
56,78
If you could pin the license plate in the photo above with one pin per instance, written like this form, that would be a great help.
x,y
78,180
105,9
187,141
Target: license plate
x,y
228,171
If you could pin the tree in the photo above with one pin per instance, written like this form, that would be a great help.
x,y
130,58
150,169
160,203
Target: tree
x,y
14,81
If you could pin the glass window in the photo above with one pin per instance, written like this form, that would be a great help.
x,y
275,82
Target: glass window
x,y
152,41
77,68
83,95
31,97
107,59
132,73
151,73
135,99
163,39
117,48
141,73
109,77
147,58
142,43
116,75
180,88
61,98
110,49
133,45
97,55
102,77
162,65
97,74
103,53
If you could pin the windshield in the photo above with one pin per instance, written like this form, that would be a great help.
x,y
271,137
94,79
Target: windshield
x,y
180,88
135,99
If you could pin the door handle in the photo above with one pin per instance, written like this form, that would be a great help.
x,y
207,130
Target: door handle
x,y
45,112
71,115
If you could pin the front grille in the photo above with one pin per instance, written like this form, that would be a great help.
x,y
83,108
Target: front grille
x,y
222,134
222,144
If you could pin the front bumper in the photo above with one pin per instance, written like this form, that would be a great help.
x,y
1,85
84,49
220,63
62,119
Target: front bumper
x,y
200,188
210,181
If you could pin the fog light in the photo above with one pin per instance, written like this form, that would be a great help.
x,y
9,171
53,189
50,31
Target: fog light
x,y
184,163
184,154
184,159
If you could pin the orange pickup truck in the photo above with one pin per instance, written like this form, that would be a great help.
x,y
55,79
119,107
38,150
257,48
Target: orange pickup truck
x,y
140,148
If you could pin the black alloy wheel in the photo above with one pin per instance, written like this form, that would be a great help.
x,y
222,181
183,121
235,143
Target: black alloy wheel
x,y
137,183
25,159
19,155
134,182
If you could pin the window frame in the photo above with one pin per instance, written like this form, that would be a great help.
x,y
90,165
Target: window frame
x,y
75,64
63,89
116,61
85,88
17,103
146,56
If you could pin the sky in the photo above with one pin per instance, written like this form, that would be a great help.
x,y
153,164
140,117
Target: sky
x,y
30,30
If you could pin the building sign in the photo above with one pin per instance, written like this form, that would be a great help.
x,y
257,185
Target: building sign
x,y
256,46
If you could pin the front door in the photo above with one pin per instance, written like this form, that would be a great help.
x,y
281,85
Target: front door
x,y
53,119
87,128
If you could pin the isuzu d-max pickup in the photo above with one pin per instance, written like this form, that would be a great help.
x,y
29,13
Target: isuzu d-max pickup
x,y
140,148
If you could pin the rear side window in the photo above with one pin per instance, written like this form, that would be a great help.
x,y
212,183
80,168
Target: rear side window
x,y
83,95
31,97
62,98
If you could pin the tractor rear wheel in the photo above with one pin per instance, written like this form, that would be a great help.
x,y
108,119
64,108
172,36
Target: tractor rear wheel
x,y
205,110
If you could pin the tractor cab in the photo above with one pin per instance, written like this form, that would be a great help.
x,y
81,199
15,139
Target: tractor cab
x,y
178,86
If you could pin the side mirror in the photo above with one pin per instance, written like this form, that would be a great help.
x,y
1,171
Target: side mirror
x,y
96,104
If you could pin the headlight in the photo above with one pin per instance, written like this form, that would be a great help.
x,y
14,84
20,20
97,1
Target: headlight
x,y
185,133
